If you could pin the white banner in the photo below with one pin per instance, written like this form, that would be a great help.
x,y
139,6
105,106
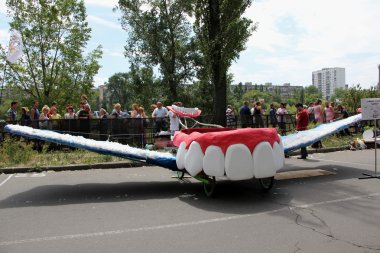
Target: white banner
x,y
15,47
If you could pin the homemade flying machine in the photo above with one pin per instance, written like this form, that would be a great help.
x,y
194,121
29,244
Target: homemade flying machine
x,y
207,153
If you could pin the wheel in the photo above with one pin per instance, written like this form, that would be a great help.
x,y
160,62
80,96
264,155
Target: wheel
x,y
209,186
180,174
266,183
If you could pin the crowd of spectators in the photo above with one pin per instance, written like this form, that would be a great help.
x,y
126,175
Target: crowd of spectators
x,y
279,117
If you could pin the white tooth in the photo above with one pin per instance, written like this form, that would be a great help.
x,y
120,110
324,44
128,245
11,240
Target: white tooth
x,y
238,162
194,159
213,161
263,160
279,157
181,153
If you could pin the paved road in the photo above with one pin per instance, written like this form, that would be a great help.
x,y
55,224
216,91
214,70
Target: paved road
x,y
145,210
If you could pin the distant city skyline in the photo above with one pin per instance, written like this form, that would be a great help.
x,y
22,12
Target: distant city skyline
x,y
291,42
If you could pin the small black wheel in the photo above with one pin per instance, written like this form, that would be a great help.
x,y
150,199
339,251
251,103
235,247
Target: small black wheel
x,y
266,183
209,187
180,174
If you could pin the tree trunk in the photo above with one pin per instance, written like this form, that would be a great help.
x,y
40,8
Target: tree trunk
x,y
219,76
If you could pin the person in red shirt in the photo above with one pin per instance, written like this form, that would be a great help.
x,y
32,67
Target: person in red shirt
x,y
302,119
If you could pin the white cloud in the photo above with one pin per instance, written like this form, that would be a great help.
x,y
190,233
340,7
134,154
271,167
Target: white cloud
x,y
113,53
102,3
297,37
101,21
99,80
3,8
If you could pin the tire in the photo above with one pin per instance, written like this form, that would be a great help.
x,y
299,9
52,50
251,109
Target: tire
x,y
180,174
209,187
266,183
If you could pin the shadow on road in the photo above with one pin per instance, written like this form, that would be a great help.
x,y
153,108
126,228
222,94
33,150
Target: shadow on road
x,y
241,197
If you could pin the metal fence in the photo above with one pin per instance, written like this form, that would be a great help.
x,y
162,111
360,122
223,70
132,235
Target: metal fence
x,y
138,132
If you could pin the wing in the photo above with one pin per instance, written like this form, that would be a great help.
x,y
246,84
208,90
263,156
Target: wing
x,y
167,160
162,159
305,138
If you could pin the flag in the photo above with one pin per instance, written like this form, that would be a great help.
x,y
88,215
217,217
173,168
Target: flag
x,y
15,47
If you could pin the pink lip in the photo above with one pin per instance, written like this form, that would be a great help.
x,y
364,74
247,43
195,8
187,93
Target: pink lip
x,y
224,137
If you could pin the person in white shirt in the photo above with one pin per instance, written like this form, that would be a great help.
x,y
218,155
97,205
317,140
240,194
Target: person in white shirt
x,y
159,114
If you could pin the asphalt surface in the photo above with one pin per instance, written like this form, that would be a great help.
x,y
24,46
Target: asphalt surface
x,y
319,205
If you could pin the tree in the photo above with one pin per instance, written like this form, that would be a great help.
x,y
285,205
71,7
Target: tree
x,y
222,32
311,94
54,34
133,87
159,34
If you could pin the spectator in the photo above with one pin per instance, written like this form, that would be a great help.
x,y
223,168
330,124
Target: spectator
x,y
44,118
134,111
329,112
318,112
281,118
35,114
302,119
230,116
103,124
257,114
310,110
25,117
85,117
272,116
55,118
12,113
143,124
318,119
245,115
70,113
174,120
116,112
53,105
342,114
159,114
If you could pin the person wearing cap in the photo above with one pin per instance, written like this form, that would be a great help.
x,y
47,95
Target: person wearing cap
x,y
302,119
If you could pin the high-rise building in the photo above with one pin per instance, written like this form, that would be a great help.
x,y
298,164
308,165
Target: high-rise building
x,y
378,84
328,79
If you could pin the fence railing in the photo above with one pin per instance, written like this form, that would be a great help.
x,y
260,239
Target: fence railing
x,y
138,132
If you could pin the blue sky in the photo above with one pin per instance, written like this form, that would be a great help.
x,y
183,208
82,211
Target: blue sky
x,y
293,39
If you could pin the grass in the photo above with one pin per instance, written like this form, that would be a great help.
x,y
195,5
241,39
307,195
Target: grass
x,y
18,153
333,141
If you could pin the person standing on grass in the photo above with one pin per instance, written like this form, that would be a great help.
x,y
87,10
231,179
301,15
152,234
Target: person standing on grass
x,y
302,119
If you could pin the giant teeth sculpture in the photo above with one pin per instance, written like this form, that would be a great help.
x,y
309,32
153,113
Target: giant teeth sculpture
x,y
235,153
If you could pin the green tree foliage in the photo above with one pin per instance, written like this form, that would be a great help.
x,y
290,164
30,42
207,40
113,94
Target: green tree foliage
x,y
311,94
137,86
55,34
222,32
159,34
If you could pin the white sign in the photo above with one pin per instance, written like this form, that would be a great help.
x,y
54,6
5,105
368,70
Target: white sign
x,y
370,108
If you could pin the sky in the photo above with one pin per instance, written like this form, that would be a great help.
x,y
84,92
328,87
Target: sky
x,y
293,39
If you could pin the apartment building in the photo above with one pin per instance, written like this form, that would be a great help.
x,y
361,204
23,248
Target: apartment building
x,y
328,79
